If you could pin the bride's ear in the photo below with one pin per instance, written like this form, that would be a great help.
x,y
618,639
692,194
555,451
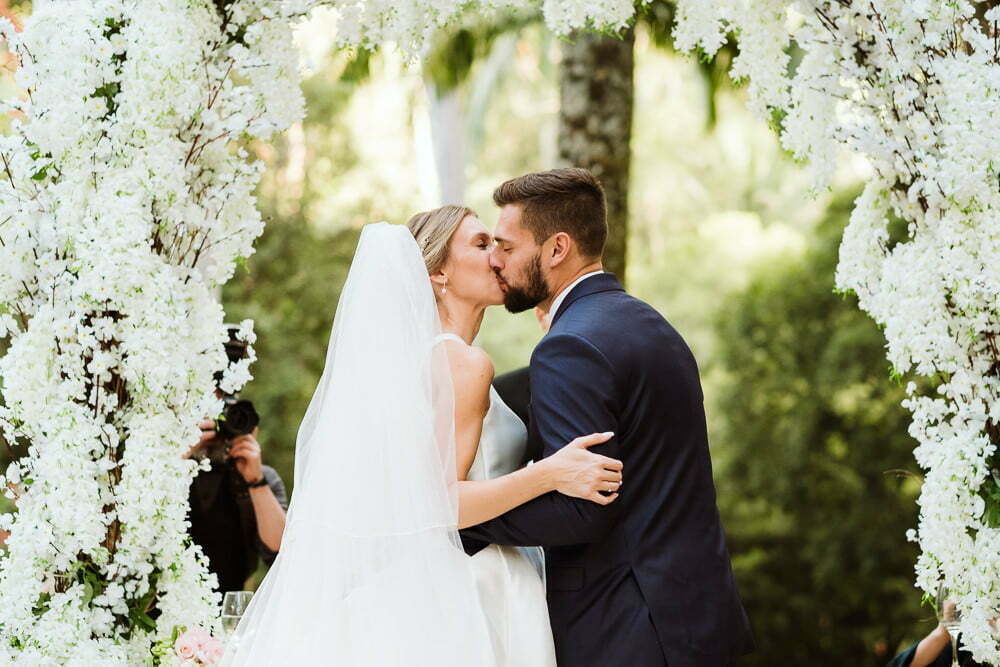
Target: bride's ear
x,y
440,282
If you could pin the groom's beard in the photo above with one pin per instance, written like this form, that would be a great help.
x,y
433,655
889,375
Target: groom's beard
x,y
520,299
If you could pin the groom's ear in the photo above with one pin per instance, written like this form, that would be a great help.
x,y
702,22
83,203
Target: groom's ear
x,y
560,248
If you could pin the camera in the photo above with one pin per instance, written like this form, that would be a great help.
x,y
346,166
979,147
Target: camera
x,y
238,418
238,415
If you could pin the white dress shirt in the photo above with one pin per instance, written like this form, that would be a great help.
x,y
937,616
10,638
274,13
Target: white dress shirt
x,y
563,294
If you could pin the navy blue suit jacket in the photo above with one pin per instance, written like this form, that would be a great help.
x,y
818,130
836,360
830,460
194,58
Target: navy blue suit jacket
x,y
646,580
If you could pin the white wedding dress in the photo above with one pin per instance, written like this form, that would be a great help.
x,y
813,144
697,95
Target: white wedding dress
x,y
510,579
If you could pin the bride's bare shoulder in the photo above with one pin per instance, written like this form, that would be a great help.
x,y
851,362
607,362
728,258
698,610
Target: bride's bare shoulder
x,y
471,367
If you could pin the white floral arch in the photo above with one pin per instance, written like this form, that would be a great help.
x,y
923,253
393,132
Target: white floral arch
x,y
125,199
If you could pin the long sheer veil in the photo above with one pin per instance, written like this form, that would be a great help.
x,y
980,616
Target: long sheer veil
x,y
371,571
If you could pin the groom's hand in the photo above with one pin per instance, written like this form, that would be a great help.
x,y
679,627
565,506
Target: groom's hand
x,y
245,453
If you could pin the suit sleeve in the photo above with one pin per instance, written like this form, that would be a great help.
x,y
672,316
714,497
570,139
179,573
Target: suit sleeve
x,y
573,394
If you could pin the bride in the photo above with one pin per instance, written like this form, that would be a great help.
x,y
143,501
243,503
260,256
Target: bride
x,y
404,442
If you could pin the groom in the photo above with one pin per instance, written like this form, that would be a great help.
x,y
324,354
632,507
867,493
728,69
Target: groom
x,y
646,580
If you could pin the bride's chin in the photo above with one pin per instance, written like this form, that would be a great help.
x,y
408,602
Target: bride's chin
x,y
496,299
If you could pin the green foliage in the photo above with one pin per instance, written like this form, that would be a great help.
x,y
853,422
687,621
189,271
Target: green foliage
x,y
165,646
777,120
813,440
990,493
451,59
358,67
658,18
139,608
456,49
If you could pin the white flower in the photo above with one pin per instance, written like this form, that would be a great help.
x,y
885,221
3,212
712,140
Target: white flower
x,y
88,261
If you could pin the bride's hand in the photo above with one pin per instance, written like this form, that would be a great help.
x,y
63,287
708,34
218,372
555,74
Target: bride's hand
x,y
580,473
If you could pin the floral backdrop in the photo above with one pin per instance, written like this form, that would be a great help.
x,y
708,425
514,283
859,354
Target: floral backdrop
x,y
127,198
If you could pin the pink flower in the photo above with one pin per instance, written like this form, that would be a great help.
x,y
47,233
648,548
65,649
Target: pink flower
x,y
186,646
211,651
197,644
200,635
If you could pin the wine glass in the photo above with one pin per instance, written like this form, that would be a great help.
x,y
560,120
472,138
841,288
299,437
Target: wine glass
x,y
234,603
950,617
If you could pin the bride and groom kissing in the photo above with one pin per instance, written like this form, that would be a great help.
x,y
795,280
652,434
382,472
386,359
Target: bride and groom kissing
x,y
416,532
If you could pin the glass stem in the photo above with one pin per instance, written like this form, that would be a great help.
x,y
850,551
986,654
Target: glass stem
x,y
954,648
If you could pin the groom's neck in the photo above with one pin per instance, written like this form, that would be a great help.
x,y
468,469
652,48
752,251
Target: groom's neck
x,y
561,282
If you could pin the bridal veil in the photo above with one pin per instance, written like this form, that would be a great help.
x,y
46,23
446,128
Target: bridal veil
x,y
371,571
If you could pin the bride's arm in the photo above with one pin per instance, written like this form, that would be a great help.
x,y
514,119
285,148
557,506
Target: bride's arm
x,y
572,471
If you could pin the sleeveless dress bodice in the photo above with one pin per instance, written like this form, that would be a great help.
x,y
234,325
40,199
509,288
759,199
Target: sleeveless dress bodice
x,y
510,579
503,443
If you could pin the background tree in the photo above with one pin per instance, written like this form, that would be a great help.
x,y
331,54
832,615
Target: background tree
x,y
597,93
808,467
597,98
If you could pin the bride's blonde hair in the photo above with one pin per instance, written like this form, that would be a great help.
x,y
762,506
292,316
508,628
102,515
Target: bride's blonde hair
x,y
433,231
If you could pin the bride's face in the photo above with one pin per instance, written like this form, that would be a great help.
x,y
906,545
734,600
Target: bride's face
x,y
469,274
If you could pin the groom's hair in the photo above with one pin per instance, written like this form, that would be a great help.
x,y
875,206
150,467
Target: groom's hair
x,y
560,200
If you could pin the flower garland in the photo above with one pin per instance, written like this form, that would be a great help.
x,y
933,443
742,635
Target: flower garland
x,y
125,199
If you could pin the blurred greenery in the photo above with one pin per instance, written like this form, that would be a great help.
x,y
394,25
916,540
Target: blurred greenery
x,y
809,466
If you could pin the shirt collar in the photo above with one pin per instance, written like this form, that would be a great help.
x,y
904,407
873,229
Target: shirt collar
x,y
565,293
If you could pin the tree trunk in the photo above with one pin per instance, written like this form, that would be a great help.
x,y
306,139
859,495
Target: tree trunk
x,y
448,135
595,124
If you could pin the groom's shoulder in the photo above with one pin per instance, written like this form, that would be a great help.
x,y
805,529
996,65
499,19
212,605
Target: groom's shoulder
x,y
610,313
616,323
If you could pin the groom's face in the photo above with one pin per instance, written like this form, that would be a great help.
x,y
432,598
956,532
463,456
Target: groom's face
x,y
517,261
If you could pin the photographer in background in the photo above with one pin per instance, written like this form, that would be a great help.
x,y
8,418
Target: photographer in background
x,y
237,507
